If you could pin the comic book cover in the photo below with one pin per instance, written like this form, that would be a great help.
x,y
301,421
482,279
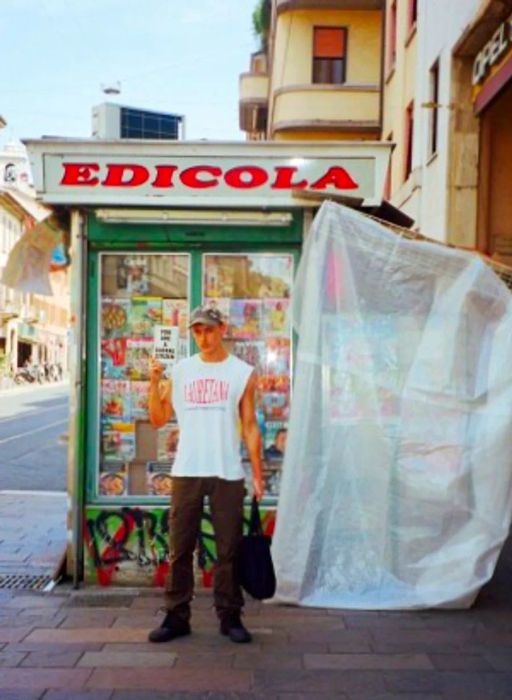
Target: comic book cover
x,y
118,441
145,314
113,479
245,318
276,319
175,313
275,406
115,399
138,354
114,317
113,358
253,352
159,478
167,442
132,274
140,399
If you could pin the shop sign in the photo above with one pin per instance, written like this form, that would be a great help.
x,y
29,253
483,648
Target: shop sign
x,y
184,179
493,51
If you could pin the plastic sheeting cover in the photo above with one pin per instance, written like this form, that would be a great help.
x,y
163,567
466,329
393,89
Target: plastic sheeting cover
x,y
396,488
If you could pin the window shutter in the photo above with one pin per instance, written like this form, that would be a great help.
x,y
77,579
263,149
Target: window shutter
x,y
329,42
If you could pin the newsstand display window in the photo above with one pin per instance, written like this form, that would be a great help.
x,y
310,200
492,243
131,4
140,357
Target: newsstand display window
x,y
253,291
144,310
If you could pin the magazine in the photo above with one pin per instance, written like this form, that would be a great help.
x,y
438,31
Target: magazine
x,y
115,399
275,406
113,358
132,274
278,353
140,399
275,440
138,354
159,478
145,314
276,321
167,442
175,313
253,352
274,382
118,441
113,480
245,318
114,317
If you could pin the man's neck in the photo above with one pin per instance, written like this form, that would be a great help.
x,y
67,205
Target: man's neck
x,y
218,355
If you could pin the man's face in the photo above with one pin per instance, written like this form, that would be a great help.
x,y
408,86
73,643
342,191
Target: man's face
x,y
208,338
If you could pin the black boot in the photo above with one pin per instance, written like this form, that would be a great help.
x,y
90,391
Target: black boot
x,y
172,626
231,626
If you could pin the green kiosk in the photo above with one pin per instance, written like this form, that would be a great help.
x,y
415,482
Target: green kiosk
x,y
156,229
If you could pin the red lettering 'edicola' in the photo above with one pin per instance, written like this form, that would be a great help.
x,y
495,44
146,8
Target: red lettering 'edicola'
x,y
80,174
256,177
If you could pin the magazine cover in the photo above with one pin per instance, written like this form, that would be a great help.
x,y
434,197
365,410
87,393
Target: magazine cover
x,y
165,348
159,478
140,398
113,479
115,399
145,314
274,382
276,319
219,278
114,317
118,440
113,358
253,352
132,274
167,442
175,313
138,354
275,406
221,304
245,318
278,354
275,440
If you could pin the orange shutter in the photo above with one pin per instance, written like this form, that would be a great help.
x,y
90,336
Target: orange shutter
x,y
329,42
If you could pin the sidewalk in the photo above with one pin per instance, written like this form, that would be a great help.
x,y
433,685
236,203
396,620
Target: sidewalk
x,y
91,644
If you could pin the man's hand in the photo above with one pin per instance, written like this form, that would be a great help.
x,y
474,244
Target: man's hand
x,y
257,485
156,370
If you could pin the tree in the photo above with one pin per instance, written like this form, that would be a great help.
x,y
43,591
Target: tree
x,y
261,18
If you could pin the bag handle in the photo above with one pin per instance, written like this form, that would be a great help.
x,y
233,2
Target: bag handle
x,y
255,527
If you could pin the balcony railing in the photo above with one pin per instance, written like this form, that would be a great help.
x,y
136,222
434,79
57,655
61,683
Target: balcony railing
x,y
341,108
283,5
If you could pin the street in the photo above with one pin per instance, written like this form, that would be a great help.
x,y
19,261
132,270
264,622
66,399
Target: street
x,y
32,454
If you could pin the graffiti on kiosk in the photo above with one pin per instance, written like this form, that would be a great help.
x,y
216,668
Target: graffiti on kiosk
x,y
129,544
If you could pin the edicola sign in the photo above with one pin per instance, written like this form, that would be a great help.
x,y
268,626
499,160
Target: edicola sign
x,y
218,174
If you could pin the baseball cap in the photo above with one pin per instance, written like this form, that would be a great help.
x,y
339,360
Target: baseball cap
x,y
205,315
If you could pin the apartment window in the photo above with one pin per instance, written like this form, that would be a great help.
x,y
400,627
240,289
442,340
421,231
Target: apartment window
x,y
409,131
412,16
392,36
329,55
433,99
388,184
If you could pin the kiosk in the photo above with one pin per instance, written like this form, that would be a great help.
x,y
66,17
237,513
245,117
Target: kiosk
x,y
156,229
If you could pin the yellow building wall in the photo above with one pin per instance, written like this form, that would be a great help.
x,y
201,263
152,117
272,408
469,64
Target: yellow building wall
x,y
293,56
399,90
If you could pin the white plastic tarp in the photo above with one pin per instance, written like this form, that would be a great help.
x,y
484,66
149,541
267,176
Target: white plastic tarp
x,y
397,481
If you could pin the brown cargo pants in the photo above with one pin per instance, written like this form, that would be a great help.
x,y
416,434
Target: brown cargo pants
x,y
226,500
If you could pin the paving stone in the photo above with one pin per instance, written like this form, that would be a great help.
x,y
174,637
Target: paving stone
x,y
93,619
54,648
106,600
26,679
404,640
368,661
185,695
94,634
484,684
317,681
34,601
10,658
500,661
9,694
166,678
400,696
204,660
267,661
126,659
412,681
463,662
51,659
14,634
78,695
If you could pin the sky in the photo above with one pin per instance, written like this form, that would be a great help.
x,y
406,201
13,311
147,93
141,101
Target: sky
x,y
169,55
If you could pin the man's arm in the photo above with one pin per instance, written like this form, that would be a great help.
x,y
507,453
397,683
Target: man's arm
x,y
251,435
160,392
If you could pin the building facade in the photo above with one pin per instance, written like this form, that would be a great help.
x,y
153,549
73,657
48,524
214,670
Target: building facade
x,y
320,76
33,327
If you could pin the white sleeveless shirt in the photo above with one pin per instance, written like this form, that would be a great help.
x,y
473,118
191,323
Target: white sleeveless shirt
x,y
206,398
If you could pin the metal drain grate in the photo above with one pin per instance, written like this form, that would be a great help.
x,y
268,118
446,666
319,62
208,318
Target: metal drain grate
x,y
20,582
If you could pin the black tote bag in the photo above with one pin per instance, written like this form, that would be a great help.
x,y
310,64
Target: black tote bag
x,y
255,567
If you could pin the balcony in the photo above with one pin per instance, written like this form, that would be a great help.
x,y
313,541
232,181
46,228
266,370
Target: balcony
x,y
253,102
339,108
290,5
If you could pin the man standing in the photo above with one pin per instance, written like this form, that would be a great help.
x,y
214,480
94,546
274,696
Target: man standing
x,y
211,393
